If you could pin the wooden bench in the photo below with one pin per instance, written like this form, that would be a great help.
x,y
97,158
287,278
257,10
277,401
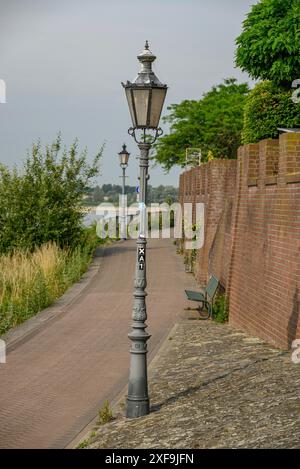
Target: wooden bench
x,y
205,298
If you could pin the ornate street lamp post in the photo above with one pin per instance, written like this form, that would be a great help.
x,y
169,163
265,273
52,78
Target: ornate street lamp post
x,y
145,96
124,157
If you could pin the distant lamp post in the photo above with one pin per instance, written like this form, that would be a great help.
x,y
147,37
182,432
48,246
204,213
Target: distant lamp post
x,y
145,96
124,157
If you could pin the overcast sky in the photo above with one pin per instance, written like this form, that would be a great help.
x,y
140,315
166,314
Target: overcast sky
x,y
63,61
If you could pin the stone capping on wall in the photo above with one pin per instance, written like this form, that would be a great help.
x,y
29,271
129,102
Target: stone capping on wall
x,y
290,148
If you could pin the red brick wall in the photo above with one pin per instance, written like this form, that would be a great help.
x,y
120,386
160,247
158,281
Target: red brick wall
x,y
252,235
264,279
213,184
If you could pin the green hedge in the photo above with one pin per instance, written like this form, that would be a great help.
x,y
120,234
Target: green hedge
x,y
267,108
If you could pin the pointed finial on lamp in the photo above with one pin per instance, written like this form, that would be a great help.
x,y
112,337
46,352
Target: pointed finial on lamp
x,y
147,45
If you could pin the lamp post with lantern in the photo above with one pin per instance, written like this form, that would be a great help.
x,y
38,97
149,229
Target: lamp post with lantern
x,y
145,97
124,157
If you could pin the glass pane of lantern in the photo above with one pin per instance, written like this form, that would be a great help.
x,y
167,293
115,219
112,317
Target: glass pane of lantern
x,y
130,105
141,101
157,102
124,158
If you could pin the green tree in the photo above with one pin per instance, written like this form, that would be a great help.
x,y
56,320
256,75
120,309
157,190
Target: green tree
x,y
268,107
42,202
269,45
214,124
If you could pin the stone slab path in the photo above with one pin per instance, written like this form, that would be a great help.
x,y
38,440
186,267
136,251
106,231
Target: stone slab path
x,y
58,375
214,387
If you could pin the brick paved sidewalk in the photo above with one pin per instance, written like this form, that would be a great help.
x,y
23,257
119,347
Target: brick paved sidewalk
x,y
214,387
63,363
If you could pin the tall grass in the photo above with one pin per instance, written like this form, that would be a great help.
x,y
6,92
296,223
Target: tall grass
x,y
31,281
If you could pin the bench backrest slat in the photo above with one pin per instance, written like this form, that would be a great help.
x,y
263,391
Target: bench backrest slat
x,y
212,286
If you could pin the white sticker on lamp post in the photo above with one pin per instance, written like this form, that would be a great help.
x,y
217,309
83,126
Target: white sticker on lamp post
x,y
2,92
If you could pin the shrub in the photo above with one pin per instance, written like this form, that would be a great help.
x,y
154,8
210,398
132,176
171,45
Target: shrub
x,y
267,108
220,309
42,203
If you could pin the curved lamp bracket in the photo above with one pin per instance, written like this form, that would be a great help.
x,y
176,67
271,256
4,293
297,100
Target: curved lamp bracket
x,y
144,137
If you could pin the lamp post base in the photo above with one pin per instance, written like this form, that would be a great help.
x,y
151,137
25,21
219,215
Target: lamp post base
x,y
137,408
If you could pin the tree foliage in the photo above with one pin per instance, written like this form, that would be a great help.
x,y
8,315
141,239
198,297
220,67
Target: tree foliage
x,y
269,45
267,108
213,123
42,202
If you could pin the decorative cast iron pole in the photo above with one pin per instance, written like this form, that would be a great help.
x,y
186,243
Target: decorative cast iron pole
x,y
124,157
145,98
123,223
